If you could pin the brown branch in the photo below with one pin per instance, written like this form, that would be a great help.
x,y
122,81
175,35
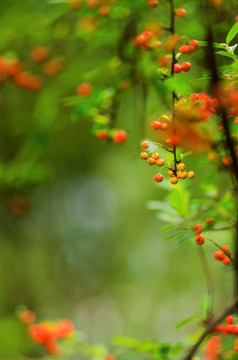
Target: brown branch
x,y
216,320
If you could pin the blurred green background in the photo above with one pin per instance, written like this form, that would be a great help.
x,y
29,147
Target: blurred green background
x,y
77,240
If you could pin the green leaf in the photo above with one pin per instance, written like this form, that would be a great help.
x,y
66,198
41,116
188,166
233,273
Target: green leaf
x,y
166,228
215,45
232,33
227,54
187,321
179,200
184,155
205,306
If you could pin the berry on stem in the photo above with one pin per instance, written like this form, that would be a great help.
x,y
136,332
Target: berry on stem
x,y
200,239
144,155
158,177
186,66
180,13
145,144
197,229
120,137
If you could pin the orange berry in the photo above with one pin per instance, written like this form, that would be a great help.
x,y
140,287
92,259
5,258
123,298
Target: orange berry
x,y
180,13
39,53
27,316
155,156
151,161
171,173
164,126
227,161
191,174
102,134
184,175
144,155
145,144
53,67
160,162
84,89
153,3
104,10
173,140
181,167
179,174
158,177
174,180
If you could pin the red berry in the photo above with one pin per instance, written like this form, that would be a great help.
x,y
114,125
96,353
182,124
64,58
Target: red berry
x,y
120,137
236,18
173,140
84,89
210,221
156,125
177,68
200,239
225,248
184,49
140,40
229,319
158,177
197,229
102,134
219,255
153,3
194,43
191,49
180,13
186,66
226,261
147,34
194,97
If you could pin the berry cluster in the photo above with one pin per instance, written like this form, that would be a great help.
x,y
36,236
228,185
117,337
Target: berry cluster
x,y
153,158
228,329
198,107
12,69
224,254
47,333
102,6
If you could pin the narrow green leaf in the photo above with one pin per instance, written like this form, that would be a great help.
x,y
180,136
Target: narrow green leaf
x,y
216,45
227,54
232,33
187,321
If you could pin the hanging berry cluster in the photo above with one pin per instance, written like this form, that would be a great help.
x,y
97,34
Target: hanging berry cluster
x,y
47,333
228,329
224,254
